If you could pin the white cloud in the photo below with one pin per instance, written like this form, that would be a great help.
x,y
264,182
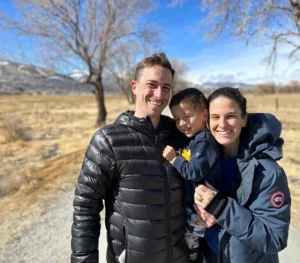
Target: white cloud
x,y
236,63
79,74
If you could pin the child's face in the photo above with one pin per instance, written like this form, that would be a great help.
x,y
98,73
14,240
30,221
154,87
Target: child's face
x,y
189,120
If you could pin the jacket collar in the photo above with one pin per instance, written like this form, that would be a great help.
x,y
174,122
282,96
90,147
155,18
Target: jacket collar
x,y
144,125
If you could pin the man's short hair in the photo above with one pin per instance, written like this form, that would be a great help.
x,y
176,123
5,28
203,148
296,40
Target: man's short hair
x,y
157,59
192,96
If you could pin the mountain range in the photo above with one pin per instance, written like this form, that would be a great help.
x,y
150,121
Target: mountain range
x,y
220,84
18,78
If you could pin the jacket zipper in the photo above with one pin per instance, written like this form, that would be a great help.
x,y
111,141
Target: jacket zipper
x,y
167,198
124,230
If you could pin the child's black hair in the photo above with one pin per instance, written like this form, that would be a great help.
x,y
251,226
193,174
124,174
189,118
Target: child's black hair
x,y
191,95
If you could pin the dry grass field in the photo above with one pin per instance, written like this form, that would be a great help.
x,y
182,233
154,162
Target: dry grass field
x,y
288,113
42,143
43,140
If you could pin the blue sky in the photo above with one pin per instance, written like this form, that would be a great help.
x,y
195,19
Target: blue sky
x,y
222,59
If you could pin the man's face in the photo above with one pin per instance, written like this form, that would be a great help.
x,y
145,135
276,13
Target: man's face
x,y
153,90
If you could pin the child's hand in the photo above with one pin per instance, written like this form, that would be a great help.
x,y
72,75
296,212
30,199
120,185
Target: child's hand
x,y
170,154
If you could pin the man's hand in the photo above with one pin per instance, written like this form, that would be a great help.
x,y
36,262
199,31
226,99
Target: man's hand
x,y
170,154
203,195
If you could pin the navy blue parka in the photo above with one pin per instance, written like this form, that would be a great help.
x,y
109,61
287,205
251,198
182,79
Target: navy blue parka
x,y
255,221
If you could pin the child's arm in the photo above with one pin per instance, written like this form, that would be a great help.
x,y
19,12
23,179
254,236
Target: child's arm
x,y
204,161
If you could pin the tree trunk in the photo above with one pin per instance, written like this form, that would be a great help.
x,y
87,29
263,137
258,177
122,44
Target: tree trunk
x,y
296,12
100,102
131,95
127,96
132,100
128,93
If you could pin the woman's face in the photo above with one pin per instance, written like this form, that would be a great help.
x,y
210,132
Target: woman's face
x,y
226,122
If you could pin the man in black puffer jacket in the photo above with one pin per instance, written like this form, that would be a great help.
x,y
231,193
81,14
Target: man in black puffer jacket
x,y
143,193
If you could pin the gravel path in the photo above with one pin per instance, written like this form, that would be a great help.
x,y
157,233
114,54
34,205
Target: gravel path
x,y
48,238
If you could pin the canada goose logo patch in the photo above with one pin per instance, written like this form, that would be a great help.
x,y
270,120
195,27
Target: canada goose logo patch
x,y
277,199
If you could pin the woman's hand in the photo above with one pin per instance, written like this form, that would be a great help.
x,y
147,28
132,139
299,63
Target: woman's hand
x,y
202,197
205,219
204,194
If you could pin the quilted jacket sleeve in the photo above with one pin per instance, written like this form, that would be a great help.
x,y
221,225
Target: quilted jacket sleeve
x,y
94,181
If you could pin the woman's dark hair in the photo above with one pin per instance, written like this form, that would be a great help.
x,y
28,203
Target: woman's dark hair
x,y
230,93
192,95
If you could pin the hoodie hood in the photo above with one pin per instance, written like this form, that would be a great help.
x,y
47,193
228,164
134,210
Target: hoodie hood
x,y
261,138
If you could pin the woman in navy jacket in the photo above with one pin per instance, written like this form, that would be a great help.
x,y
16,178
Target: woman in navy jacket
x,y
249,217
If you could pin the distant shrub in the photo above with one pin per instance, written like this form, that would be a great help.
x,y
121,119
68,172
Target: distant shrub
x,y
267,88
10,183
16,129
292,87
271,88
246,90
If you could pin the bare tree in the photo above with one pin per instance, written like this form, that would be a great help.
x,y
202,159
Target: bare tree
x,y
81,32
179,81
121,67
275,20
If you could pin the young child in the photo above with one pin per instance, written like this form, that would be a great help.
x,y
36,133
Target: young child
x,y
200,160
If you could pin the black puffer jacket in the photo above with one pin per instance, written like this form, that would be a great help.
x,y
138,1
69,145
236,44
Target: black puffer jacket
x,y
143,194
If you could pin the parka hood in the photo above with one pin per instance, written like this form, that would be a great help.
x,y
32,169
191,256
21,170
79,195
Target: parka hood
x,y
261,138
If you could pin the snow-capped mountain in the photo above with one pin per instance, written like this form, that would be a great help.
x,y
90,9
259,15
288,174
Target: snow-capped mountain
x,y
18,78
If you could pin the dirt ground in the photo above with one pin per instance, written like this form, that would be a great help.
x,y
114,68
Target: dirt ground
x,y
43,140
